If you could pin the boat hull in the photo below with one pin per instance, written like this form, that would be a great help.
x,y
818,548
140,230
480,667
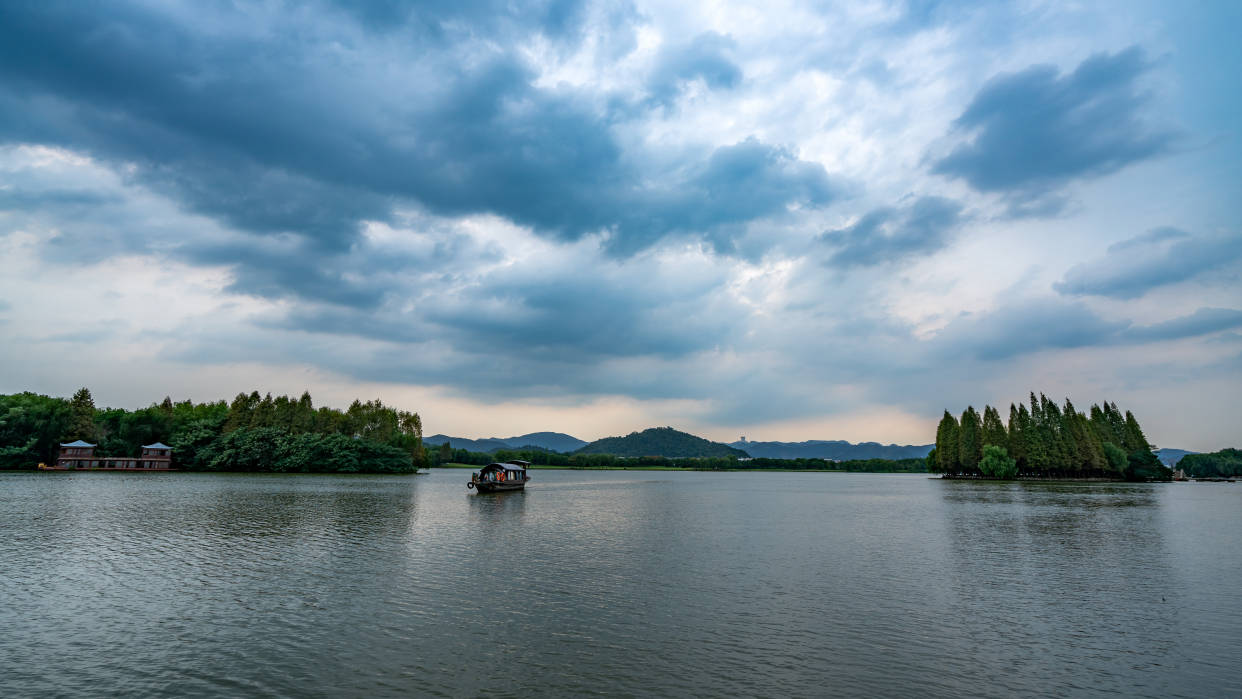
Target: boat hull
x,y
498,487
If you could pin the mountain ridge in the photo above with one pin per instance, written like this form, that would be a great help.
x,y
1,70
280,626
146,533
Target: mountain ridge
x,y
1169,456
661,441
836,449
550,441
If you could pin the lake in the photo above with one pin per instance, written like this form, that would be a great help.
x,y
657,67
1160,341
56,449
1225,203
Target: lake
x,y
621,583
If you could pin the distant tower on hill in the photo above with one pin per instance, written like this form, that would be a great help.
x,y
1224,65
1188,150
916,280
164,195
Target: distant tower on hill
x,y
742,439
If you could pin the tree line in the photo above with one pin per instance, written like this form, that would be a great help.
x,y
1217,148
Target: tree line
x,y
1226,463
1045,441
252,433
446,454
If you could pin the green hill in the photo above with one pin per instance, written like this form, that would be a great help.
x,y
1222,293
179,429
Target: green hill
x,y
660,441
1226,463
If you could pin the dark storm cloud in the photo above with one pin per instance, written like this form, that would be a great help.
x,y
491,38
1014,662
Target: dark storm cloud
x,y
579,311
1161,257
735,185
705,58
445,19
1029,133
579,315
26,199
1026,327
1048,324
295,269
306,130
1204,321
888,234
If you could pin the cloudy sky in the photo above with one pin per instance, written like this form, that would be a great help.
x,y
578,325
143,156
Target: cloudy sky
x,y
783,220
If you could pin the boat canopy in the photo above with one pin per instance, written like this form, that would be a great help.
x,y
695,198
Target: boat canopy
x,y
506,467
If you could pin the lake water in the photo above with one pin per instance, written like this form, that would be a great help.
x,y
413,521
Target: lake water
x,y
616,583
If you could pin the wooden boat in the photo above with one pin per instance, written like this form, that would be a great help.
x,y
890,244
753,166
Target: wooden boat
x,y
500,477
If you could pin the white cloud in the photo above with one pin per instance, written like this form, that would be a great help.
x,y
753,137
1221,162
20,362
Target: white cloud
x,y
493,326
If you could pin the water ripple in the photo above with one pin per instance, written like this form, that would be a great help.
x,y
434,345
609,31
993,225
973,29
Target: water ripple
x,y
617,583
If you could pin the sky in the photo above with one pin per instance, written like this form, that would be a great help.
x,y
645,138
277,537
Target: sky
x,y
782,220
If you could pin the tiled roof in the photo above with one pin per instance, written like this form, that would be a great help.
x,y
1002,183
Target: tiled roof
x,y
78,443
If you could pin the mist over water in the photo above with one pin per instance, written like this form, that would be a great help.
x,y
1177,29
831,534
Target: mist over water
x,y
620,583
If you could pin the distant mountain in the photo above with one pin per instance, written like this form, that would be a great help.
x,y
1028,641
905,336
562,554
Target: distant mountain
x,y
481,445
832,449
660,441
1170,457
547,441
552,441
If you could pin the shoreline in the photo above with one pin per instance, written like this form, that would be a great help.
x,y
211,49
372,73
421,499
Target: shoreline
x,y
532,467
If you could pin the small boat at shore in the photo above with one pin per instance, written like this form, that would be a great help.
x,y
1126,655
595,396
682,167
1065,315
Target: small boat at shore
x,y
499,477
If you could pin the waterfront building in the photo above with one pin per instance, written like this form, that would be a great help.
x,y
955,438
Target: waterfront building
x,y
81,455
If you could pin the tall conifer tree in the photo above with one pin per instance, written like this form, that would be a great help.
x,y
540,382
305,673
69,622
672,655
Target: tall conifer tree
x,y
82,416
946,444
1059,456
1017,435
304,419
1134,435
1118,425
1036,441
993,429
970,441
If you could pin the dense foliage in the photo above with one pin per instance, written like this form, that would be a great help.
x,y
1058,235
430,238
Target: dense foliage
x,y
1046,441
996,463
277,450
1226,463
661,441
252,433
31,429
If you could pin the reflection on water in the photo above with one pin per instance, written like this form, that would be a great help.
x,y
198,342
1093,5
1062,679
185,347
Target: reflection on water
x,y
1062,580
624,583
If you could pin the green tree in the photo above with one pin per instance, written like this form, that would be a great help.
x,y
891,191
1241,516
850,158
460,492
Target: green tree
x,y
1037,453
264,413
1116,457
1226,463
1144,466
1135,439
996,463
304,417
82,424
1019,422
283,413
241,410
947,444
1116,425
970,441
1085,446
993,429
1055,443
190,439
31,429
